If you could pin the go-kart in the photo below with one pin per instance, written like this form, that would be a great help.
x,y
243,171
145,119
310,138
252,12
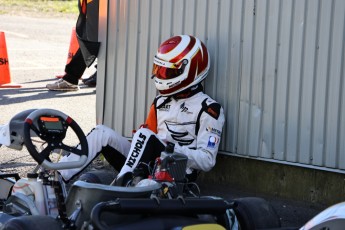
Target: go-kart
x,y
165,200
331,218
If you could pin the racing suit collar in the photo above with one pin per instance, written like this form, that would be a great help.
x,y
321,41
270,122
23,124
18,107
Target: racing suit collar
x,y
187,93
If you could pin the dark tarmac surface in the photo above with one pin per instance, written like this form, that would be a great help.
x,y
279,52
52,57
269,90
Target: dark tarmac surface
x,y
37,49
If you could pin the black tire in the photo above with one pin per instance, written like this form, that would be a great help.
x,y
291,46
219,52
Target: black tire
x,y
256,213
33,223
98,177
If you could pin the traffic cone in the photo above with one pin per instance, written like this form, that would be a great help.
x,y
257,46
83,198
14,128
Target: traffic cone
x,y
73,47
5,77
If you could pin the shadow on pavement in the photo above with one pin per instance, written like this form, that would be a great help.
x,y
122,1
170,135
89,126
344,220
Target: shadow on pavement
x,y
19,95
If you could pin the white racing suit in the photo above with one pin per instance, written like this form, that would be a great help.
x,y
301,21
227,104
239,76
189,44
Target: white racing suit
x,y
194,124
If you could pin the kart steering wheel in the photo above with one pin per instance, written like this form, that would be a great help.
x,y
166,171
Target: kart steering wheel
x,y
51,126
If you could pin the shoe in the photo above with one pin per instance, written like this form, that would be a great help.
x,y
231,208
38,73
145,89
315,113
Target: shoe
x,y
89,78
91,81
86,79
62,85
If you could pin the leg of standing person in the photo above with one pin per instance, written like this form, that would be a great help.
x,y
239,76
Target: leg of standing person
x,y
75,69
73,72
87,29
92,80
90,33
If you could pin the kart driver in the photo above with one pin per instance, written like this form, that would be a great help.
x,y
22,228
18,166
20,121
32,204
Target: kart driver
x,y
182,114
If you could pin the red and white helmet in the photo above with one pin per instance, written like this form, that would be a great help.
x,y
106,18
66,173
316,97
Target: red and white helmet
x,y
181,62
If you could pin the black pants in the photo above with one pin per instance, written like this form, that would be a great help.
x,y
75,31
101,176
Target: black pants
x,y
75,68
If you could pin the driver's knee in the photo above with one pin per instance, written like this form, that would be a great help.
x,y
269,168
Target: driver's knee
x,y
102,136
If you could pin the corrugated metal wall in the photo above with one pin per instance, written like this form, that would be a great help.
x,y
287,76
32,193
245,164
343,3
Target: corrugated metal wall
x,y
277,69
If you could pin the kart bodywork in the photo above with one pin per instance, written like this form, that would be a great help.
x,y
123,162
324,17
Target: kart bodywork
x,y
331,218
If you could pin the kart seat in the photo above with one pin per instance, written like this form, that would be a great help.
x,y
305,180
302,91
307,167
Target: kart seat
x,y
85,196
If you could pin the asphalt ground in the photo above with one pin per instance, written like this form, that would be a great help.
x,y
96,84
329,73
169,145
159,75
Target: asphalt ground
x,y
37,49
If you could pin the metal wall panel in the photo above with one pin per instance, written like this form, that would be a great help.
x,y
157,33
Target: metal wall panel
x,y
277,69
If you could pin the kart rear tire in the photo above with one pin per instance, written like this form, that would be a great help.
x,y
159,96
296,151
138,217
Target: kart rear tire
x,y
256,213
32,223
98,177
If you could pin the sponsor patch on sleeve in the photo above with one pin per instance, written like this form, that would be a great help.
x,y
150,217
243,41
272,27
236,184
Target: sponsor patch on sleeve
x,y
213,141
213,130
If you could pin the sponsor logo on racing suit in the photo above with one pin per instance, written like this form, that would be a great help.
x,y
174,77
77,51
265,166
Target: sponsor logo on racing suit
x,y
136,151
213,130
212,142
164,108
184,109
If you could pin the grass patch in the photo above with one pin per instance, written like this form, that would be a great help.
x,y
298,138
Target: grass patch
x,y
45,7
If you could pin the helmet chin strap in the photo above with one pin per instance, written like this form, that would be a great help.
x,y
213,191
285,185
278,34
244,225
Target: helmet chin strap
x,y
189,91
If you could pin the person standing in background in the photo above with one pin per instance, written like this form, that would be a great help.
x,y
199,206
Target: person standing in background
x,y
87,35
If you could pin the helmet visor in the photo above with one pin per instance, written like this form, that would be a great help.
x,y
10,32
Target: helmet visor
x,y
167,70
165,73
